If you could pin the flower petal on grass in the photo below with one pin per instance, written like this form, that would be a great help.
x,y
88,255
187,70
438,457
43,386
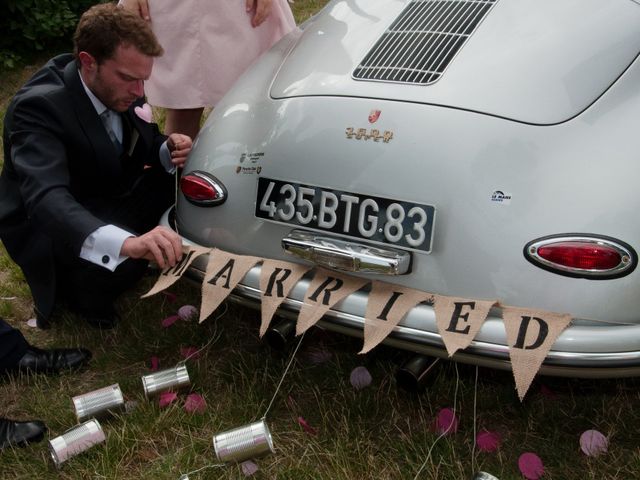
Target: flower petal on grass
x,y
167,398
488,441
306,427
548,393
360,378
170,296
155,364
249,468
167,322
195,403
189,352
446,422
32,322
187,312
530,466
593,443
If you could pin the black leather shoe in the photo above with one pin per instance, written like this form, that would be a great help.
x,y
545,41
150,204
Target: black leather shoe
x,y
37,360
19,434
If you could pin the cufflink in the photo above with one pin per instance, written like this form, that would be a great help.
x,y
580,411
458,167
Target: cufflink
x,y
105,259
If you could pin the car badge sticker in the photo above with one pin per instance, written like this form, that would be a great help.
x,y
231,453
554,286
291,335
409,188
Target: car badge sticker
x,y
374,115
499,196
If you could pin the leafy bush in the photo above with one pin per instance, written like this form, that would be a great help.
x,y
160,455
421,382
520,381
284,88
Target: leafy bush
x,y
29,26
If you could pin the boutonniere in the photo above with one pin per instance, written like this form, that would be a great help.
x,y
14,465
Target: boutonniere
x,y
144,112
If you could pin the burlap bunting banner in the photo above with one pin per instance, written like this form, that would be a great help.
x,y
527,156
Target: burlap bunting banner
x,y
224,272
171,274
277,278
459,320
387,305
530,334
325,290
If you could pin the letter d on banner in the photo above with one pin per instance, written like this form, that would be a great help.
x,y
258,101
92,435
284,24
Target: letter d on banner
x,y
531,334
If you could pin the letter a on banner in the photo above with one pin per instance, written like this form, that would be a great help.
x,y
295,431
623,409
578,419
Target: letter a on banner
x,y
531,334
387,305
276,281
459,320
326,289
224,271
171,274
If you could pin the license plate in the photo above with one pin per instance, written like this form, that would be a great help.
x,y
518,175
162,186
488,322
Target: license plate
x,y
381,220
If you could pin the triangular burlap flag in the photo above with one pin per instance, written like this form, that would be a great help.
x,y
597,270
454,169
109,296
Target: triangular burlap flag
x,y
386,306
459,320
277,278
170,275
224,271
325,290
530,334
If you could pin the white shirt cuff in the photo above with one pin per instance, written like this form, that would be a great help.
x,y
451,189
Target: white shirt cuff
x,y
165,158
103,246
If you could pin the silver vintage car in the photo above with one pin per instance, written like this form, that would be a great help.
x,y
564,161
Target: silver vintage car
x,y
471,148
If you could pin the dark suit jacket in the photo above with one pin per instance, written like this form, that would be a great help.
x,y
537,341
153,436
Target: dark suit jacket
x,y
58,162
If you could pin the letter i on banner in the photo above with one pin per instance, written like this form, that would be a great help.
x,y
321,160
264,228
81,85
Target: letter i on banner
x,y
224,272
276,281
325,290
459,320
531,334
387,305
171,274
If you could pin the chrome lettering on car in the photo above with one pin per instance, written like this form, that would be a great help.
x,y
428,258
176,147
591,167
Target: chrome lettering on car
x,y
372,134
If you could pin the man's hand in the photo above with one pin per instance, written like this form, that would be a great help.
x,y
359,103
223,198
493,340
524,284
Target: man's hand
x,y
161,245
179,146
141,7
261,10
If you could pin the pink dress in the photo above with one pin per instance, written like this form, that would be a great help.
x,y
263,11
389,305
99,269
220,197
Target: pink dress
x,y
207,45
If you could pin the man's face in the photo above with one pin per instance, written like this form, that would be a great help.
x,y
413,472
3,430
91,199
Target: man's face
x,y
118,81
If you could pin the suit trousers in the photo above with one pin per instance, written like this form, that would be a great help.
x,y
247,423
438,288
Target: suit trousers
x,y
13,346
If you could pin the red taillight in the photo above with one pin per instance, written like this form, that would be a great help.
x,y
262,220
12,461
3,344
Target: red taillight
x,y
202,189
582,255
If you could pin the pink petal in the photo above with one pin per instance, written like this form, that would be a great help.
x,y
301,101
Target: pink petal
x,y
194,403
306,427
593,443
360,378
488,441
155,363
170,296
318,356
189,352
32,322
530,466
144,112
167,398
167,322
249,468
548,393
187,312
446,422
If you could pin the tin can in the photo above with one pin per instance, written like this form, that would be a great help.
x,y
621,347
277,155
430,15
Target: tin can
x,y
98,402
484,476
240,444
170,379
80,438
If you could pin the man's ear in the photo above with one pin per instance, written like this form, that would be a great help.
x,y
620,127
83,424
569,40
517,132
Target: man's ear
x,y
87,62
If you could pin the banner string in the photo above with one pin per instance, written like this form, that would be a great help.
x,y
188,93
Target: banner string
x,y
455,408
475,419
293,356
211,340
185,476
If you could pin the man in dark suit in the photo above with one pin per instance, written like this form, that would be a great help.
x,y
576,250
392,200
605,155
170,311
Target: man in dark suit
x,y
86,174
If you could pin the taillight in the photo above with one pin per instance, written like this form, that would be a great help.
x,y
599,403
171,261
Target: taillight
x,y
585,256
202,189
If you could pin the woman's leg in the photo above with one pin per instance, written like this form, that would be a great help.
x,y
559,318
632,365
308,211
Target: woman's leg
x,y
186,121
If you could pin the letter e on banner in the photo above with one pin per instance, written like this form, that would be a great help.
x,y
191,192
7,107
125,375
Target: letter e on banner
x,y
171,274
325,290
276,281
531,334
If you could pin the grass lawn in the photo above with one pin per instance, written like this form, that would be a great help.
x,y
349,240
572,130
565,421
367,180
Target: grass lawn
x,y
323,428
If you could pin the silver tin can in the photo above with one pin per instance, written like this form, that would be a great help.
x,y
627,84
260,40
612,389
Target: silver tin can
x,y
165,380
75,441
98,402
240,444
484,476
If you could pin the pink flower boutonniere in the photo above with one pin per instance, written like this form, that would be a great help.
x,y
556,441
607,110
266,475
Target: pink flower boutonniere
x,y
144,112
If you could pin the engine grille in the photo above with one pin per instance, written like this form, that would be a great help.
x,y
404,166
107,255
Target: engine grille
x,y
422,41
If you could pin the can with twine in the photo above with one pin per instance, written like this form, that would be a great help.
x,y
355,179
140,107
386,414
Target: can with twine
x,y
242,443
174,378
99,403
76,440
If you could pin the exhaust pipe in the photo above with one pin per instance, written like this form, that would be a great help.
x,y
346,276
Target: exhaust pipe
x,y
416,373
280,332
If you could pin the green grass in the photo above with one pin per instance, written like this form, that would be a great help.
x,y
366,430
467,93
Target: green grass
x,y
378,432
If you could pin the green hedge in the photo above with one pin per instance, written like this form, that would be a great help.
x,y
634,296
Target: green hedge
x,y
31,26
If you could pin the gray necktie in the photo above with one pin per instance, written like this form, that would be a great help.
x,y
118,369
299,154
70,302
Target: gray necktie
x,y
106,121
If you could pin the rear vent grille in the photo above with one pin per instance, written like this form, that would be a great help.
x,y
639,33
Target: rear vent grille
x,y
420,44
